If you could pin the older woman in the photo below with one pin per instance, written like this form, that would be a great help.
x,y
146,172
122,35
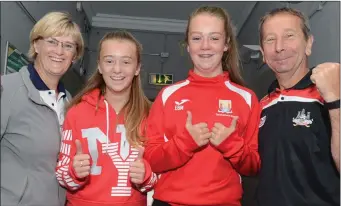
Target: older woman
x,y
32,112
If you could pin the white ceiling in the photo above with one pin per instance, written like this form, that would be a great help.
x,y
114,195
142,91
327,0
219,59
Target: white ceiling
x,y
175,10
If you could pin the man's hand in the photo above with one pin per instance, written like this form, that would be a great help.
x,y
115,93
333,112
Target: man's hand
x,y
326,77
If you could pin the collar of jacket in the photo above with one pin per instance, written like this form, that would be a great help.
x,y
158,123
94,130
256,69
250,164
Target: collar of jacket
x,y
33,92
39,83
304,83
193,77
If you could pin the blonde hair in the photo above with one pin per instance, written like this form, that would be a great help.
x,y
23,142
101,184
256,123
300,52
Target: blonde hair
x,y
304,21
230,59
138,105
56,24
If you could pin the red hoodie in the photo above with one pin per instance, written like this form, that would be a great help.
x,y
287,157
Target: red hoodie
x,y
103,137
208,175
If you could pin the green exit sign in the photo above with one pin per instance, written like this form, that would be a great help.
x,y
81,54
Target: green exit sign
x,y
160,79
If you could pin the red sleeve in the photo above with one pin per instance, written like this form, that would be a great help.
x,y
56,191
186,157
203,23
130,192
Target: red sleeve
x,y
161,154
241,148
64,170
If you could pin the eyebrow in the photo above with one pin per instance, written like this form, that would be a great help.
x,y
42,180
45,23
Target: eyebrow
x,y
290,30
286,30
112,56
196,32
63,41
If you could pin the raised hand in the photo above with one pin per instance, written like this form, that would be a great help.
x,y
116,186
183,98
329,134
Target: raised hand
x,y
81,162
326,77
199,132
220,132
137,169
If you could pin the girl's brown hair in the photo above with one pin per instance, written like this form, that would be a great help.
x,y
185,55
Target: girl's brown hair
x,y
230,59
138,105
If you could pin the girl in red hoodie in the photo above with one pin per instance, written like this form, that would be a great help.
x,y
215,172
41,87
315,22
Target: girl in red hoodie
x,y
203,131
101,155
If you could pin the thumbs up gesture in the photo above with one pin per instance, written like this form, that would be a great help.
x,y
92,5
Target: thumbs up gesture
x,y
220,132
137,169
199,132
81,162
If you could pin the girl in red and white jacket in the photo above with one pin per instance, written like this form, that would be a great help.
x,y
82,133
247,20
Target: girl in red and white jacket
x,y
203,131
101,155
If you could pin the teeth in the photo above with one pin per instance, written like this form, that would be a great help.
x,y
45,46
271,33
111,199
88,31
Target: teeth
x,y
205,55
117,78
56,59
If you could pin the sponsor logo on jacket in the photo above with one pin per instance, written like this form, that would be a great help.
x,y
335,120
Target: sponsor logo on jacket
x,y
180,105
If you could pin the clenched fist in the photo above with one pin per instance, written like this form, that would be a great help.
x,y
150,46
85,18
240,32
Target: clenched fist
x,y
326,77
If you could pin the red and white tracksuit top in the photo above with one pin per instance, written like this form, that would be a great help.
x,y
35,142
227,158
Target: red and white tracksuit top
x,y
103,137
208,175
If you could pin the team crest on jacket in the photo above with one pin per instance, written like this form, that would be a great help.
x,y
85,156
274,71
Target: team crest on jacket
x,y
225,106
302,119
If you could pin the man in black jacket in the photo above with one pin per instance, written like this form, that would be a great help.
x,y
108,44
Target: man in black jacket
x,y
299,128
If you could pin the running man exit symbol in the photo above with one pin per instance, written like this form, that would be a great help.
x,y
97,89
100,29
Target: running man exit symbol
x,y
160,79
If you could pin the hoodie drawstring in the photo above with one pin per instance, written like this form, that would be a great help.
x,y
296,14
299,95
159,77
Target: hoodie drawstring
x,y
107,116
